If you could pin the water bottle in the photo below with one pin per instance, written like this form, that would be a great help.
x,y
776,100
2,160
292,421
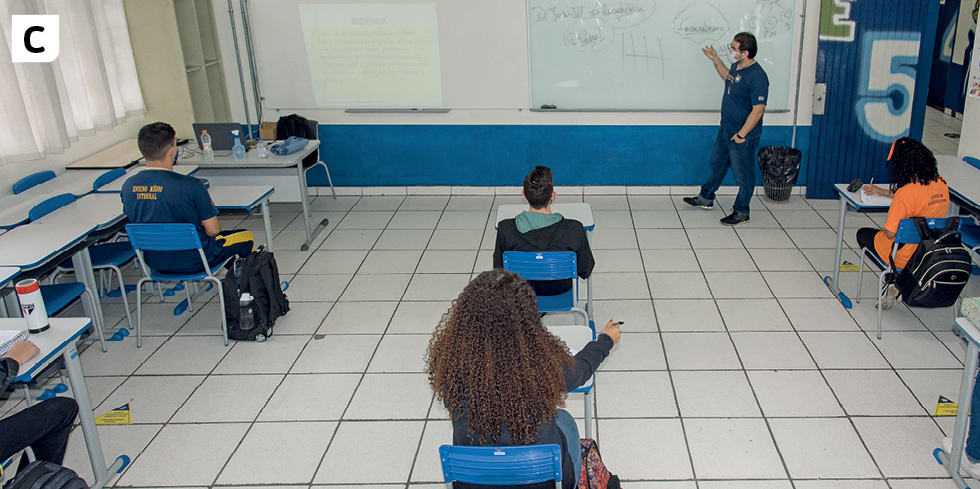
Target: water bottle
x,y
263,149
206,145
246,316
238,150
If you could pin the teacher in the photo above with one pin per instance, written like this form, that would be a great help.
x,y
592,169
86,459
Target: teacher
x,y
742,107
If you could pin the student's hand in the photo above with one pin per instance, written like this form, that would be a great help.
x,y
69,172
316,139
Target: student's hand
x,y
612,329
22,352
872,189
710,52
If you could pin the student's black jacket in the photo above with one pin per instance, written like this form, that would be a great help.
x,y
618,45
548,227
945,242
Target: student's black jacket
x,y
586,362
564,235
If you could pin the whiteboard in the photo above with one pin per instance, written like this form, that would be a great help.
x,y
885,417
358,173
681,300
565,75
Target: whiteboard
x,y
646,54
482,52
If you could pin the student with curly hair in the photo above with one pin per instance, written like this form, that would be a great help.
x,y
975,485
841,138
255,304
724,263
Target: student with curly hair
x,y
916,190
503,376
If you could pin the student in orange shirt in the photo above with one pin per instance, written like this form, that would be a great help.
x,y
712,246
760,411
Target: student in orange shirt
x,y
916,190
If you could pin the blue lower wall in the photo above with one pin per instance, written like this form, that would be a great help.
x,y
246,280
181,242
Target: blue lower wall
x,y
492,155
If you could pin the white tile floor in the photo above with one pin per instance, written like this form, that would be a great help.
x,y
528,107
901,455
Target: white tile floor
x,y
737,368
937,126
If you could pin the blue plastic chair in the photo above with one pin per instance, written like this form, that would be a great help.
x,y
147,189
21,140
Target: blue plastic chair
x,y
907,234
501,466
109,256
171,237
547,265
57,297
32,180
107,177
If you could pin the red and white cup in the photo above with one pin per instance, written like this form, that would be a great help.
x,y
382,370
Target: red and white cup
x,y
32,305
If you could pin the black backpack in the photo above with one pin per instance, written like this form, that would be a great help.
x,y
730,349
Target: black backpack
x,y
46,475
938,270
299,126
258,275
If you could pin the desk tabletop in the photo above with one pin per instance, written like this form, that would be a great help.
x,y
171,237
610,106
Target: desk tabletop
x,y
854,198
100,210
121,155
963,178
77,183
115,186
31,245
243,197
63,332
580,211
252,159
7,274
15,209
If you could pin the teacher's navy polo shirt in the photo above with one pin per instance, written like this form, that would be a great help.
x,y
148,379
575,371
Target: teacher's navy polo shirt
x,y
743,89
162,196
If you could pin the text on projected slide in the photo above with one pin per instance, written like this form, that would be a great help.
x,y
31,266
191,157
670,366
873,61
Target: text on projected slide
x,y
373,55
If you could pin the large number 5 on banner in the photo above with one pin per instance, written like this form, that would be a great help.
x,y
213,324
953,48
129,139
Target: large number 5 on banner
x,y
884,103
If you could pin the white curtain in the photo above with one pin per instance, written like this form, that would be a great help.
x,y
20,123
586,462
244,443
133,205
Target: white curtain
x,y
91,86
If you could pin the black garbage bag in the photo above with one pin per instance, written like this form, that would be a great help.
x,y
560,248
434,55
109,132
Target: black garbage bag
x,y
780,165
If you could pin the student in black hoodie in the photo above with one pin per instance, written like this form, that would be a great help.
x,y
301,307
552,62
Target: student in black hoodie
x,y
539,229
503,377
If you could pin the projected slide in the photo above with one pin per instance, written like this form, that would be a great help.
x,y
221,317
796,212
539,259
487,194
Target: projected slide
x,y
380,55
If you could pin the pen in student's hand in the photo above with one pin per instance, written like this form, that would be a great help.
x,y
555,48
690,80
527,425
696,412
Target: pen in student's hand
x,y
620,322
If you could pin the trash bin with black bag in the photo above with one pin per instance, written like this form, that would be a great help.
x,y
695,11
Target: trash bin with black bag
x,y
780,167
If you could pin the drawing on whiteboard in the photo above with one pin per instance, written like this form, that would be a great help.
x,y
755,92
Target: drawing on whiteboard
x,y
769,19
640,56
591,34
700,22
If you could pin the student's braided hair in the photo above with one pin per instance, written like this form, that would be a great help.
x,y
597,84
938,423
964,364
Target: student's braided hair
x,y
911,162
493,360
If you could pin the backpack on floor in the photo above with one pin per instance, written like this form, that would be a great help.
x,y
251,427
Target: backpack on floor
x,y
594,474
938,270
257,275
46,475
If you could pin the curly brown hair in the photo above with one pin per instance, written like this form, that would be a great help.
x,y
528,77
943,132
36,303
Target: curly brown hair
x,y
492,360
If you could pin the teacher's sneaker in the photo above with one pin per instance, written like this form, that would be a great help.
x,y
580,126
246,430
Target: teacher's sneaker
x,y
967,467
734,218
888,298
698,202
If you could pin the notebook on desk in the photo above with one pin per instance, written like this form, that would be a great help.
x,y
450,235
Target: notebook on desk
x,y
220,132
9,337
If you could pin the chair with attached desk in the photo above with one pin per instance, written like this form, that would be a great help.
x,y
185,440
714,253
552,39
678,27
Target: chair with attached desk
x,y
57,297
171,237
501,466
32,180
548,265
907,234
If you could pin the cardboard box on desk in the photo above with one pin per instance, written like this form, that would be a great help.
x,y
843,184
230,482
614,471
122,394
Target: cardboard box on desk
x,y
267,131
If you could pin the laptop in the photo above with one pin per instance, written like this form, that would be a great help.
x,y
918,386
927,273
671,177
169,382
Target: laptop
x,y
220,132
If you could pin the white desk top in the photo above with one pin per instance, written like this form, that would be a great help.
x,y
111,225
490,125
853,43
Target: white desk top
x,y
31,245
120,155
115,186
52,342
14,209
7,273
854,198
252,159
77,183
100,210
244,197
963,178
579,211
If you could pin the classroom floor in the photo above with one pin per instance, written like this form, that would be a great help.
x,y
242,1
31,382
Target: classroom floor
x,y
937,126
737,367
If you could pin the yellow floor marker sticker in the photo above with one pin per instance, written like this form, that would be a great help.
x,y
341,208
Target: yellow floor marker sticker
x,y
118,416
850,267
945,407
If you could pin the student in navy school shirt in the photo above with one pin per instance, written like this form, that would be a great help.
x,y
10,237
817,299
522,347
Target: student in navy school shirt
x,y
160,195
742,107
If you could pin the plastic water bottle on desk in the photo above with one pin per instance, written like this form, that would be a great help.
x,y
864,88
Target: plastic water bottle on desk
x,y
262,148
206,145
238,150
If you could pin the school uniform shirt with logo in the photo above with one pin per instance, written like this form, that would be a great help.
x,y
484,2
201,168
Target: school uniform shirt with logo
x,y
162,196
911,200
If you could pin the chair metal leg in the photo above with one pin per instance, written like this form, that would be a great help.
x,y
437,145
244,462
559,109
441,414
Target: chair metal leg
x,y
330,180
860,275
122,292
881,297
139,312
187,292
221,302
588,414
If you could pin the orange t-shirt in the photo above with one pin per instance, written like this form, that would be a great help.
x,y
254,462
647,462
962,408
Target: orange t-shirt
x,y
912,200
